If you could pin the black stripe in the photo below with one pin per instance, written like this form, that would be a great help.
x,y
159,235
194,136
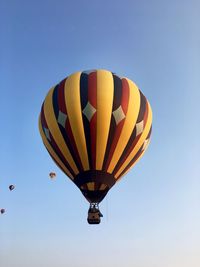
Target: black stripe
x,y
149,134
86,123
55,101
143,102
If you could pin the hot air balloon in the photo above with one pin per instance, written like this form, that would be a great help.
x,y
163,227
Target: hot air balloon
x,y
52,175
96,126
2,211
11,187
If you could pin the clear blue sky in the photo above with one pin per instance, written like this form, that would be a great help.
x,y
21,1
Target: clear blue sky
x,y
152,217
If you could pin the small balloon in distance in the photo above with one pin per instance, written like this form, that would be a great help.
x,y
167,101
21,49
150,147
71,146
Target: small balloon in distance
x,y
11,187
2,211
52,175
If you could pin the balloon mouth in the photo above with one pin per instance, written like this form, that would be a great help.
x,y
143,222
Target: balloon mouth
x,y
95,196
94,184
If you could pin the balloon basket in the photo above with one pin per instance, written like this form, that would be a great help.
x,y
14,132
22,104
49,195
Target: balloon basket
x,y
94,214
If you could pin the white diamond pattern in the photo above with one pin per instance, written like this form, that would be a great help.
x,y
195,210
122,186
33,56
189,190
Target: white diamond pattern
x,y
89,111
62,117
47,133
118,115
145,144
139,127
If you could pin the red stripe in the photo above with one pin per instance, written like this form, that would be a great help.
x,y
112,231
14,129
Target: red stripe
x,y
146,114
119,127
92,98
92,89
61,97
125,95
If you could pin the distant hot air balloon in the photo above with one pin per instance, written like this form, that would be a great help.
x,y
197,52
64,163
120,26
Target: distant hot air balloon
x,y
95,126
2,211
11,187
52,175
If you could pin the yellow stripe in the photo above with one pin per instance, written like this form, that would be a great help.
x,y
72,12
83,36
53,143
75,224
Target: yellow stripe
x,y
105,91
103,187
73,104
55,131
90,186
51,151
129,124
139,143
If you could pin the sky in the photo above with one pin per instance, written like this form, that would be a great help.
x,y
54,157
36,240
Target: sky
x,y
152,216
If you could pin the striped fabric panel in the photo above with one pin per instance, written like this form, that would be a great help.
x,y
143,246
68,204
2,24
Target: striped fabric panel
x,y
73,105
92,97
140,142
135,133
56,135
55,158
49,144
119,110
86,122
88,93
137,156
129,124
63,122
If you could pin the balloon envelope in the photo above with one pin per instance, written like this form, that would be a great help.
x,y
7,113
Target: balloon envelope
x,y
11,187
2,211
96,126
52,175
